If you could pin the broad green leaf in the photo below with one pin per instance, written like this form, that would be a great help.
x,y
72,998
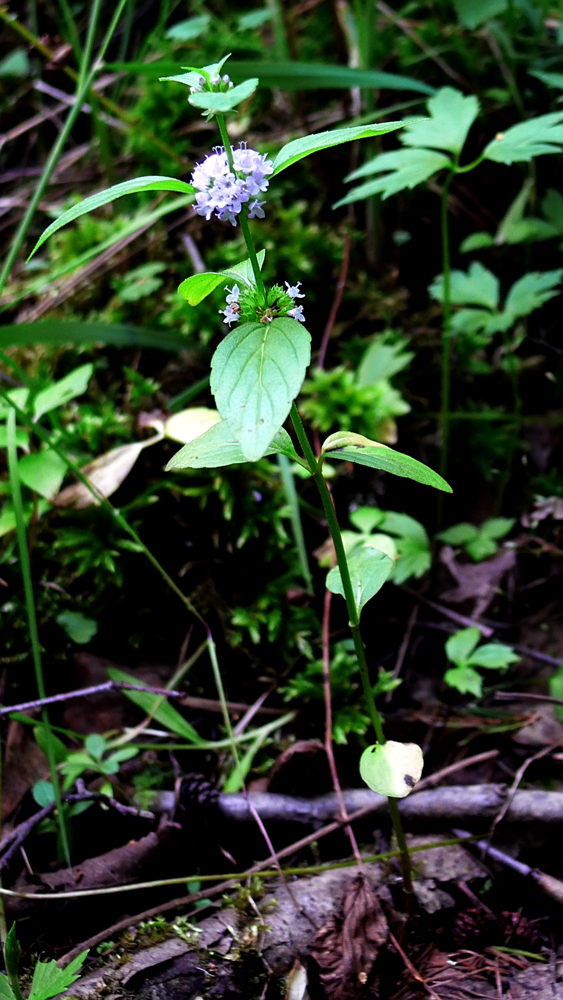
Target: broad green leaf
x,y
498,527
493,656
464,679
460,646
15,64
157,706
392,768
77,626
478,286
384,358
256,373
481,547
350,447
197,287
365,519
405,527
186,31
134,186
5,988
47,740
298,148
472,13
404,168
369,569
522,142
72,385
477,320
452,115
458,534
59,331
476,241
319,76
22,438
218,447
221,103
48,980
187,425
531,291
551,79
43,472
95,745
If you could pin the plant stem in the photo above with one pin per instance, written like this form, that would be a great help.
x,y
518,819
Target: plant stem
x,y
446,329
25,568
243,220
354,620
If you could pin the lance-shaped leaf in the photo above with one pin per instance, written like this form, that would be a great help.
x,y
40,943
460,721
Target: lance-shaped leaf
x,y
106,473
369,569
67,388
223,102
298,148
197,287
137,184
451,116
349,447
392,768
59,331
400,169
219,447
319,76
157,706
256,373
522,142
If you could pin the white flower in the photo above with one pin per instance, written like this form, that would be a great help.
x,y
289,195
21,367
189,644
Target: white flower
x,y
297,313
231,313
293,290
223,192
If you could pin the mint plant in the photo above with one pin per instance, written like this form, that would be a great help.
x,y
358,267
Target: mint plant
x,y
259,368
464,651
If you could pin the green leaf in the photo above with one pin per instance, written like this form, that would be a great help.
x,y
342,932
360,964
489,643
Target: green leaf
x,y
95,745
43,793
464,679
218,447
477,241
186,31
74,384
452,115
123,754
48,980
522,142
15,64
193,76
221,103
413,546
77,626
319,76
256,373
478,286
47,741
134,186
12,955
458,534
369,569
59,331
157,706
43,472
405,168
556,688
350,447
298,148
6,992
550,79
472,13
481,547
531,291
197,287
392,768
365,519
384,358
460,646
552,208
22,438
498,527
493,656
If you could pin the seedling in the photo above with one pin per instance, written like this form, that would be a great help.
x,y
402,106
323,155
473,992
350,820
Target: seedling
x,y
48,979
464,651
479,543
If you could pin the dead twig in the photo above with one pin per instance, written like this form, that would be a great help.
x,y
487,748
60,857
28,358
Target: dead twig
x,y
514,788
25,706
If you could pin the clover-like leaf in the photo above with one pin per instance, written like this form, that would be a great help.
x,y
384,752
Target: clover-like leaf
x,y
392,768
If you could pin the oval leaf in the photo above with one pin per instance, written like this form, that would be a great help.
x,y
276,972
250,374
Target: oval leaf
x,y
369,569
187,425
257,371
299,148
349,447
43,472
219,447
149,183
391,768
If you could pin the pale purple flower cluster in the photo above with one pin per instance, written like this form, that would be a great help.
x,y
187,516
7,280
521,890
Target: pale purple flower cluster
x,y
294,293
231,313
224,192
215,82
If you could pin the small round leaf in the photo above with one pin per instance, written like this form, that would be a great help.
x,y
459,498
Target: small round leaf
x,y
392,768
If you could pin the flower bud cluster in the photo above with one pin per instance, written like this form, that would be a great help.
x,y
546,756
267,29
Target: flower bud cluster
x,y
217,83
223,192
249,304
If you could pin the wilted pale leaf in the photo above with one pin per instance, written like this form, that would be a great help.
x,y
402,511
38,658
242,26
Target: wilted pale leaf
x,y
392,768
190,424
106,473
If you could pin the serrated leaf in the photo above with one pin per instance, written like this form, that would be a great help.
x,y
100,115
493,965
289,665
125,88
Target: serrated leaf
x,y
77,626
298,148
220,103
451,116
256,373
477,286
404,168
350,447
106,473
383,359
197,287
219,447
522,142
458,534
157,706
392,768
187,425
472,13
43,472
134,186
464,679
48,980
460,646
73,385
531,291
369,569
493,656
318,76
